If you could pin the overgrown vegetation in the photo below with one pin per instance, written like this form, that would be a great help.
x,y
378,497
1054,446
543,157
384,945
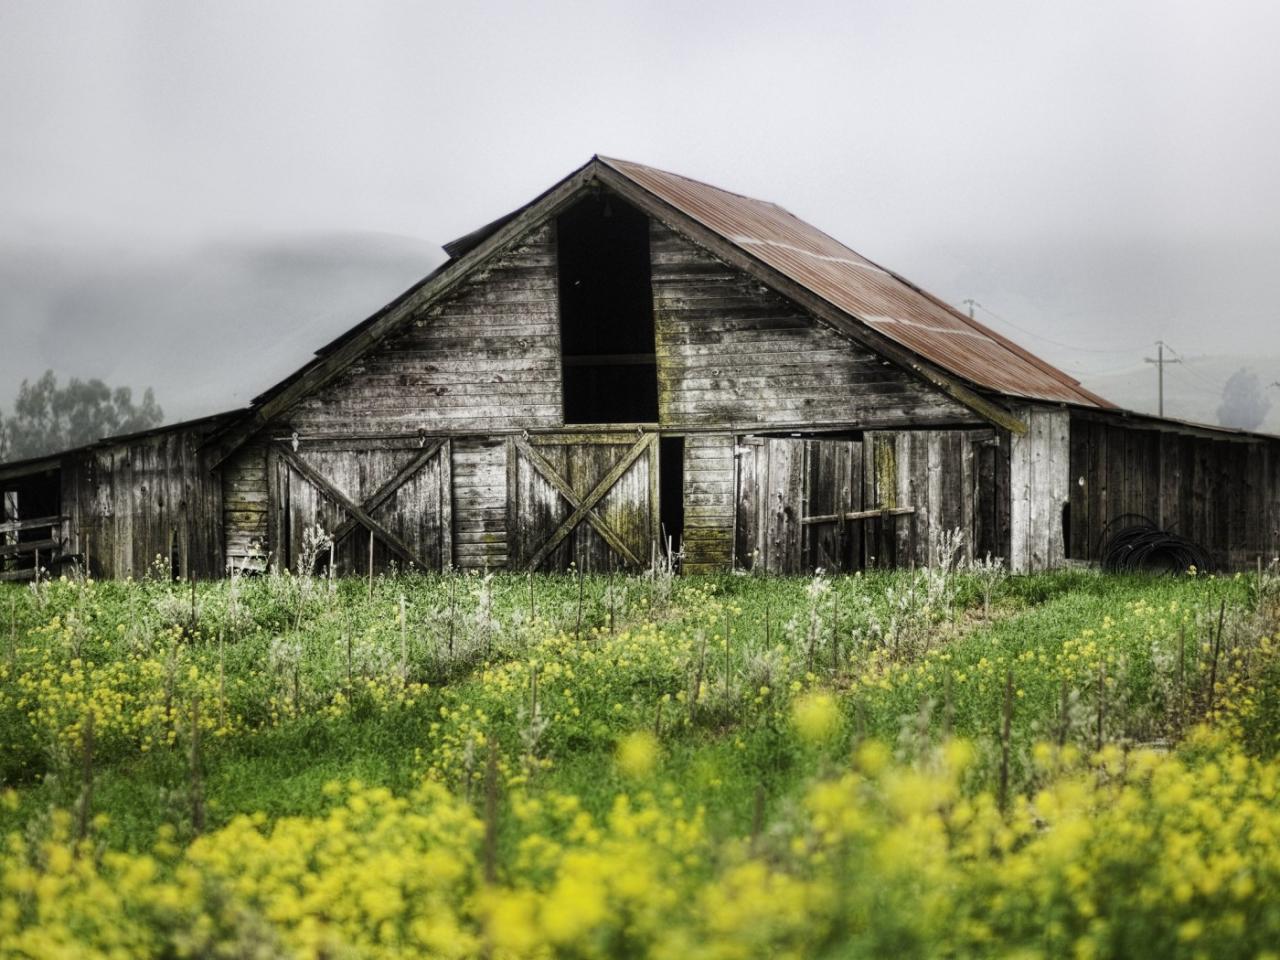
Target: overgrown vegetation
x,y
916,763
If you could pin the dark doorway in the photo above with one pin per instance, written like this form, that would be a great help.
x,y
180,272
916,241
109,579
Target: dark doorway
x,y
610,369
671,491
30,524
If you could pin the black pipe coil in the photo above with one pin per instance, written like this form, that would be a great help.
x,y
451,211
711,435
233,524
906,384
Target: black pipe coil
x,y
1132,542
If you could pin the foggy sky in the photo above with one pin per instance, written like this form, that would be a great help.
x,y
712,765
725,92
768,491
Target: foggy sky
x,y
195,196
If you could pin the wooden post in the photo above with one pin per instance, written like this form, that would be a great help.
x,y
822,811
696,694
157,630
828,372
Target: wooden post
x,y
1217,647
578,630
86,776
491,816
1064,715
222,685
197,779
404,645
948,708
1180,719
1102,699
453,583
727,667
1005,731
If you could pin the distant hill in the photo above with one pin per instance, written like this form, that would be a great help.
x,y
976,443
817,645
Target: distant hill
x,y
1192,390
208,327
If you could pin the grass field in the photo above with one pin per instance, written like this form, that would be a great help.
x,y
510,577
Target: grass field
x,y
909,764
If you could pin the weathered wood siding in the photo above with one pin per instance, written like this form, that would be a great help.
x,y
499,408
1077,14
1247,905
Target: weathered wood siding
x,y
783,484
244,508
152,496
709,489
622,468
1222,493
485,358
1040,478
731,352
418,512
480,503
955,480
951,479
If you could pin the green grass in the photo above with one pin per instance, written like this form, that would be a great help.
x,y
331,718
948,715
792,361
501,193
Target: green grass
x,y
729,754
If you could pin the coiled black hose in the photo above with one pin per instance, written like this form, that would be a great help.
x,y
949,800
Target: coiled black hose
x,y
1132,542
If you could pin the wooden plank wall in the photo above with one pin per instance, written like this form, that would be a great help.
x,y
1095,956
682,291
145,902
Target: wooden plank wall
x,y
480,503
536,509
731,351
781,481
955,480
1222,493
487,357
1040,480
144,497
244,508
629,507
418,512
709,487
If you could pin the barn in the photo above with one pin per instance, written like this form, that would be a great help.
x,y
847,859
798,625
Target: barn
x,y
634,362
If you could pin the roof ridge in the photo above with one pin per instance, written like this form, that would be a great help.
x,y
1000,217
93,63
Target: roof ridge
x,y
614,161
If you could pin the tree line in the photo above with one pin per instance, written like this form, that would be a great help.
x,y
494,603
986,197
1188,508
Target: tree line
x,y
47,417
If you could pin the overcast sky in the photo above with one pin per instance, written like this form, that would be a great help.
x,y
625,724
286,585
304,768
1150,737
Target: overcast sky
x,y
195,195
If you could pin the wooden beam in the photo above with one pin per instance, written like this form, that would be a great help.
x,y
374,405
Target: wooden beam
x,y
34,523
860,515
327,489
27,546
584,508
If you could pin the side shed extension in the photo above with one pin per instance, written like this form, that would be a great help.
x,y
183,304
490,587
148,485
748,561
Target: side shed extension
x,y
1216,486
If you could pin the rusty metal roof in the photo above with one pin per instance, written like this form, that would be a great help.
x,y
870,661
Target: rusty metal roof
x,y
879,298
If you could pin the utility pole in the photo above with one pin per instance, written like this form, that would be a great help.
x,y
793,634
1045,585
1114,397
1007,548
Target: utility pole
x,y
971,303
1160,361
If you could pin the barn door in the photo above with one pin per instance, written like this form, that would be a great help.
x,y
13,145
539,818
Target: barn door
x,y
587,499
793,495
398,495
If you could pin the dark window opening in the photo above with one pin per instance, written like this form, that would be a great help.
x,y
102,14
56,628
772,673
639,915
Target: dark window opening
x,y
671,491
30,523
1066,531
606,313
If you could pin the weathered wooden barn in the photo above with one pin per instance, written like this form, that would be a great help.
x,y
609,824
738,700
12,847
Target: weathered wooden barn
x,y
633,356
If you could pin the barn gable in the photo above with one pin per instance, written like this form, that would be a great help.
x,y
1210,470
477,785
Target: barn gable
x,y
496,356
474,252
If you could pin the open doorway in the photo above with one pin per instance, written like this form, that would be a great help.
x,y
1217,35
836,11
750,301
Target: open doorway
x,y
671,492
30,524
609,363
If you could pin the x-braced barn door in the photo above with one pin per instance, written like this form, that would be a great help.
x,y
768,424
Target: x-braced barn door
x,y
589,499
794,497
400,495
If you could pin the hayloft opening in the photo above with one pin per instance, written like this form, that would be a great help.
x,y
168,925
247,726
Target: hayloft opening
x,y
610,368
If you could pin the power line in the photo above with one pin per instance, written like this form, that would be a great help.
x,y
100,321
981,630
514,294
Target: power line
x,y
1186,365
1039,336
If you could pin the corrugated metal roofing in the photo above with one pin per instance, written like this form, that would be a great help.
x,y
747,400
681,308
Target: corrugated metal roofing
x,y
880,298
